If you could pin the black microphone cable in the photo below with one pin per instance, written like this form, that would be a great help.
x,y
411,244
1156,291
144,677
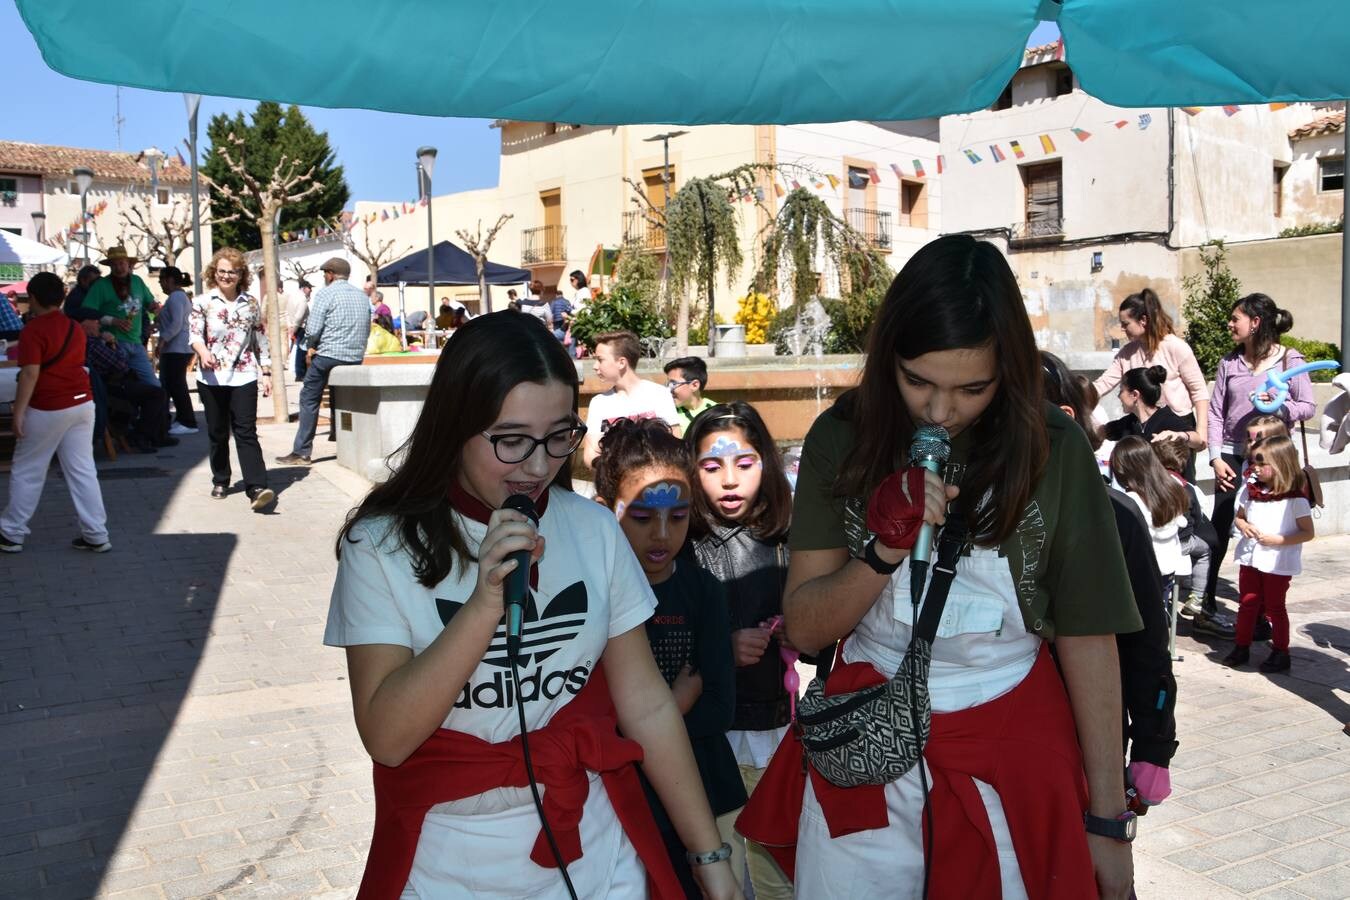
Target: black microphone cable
x,y
534,783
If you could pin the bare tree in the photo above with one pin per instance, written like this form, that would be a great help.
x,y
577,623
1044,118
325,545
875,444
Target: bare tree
x,y
478,244
166,235
298,270
371,250
262,202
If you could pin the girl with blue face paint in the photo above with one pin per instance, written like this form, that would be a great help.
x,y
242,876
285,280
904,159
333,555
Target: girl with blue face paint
x,y
644,476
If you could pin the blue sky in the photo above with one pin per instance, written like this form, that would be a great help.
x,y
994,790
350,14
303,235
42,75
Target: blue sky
x,y
376,149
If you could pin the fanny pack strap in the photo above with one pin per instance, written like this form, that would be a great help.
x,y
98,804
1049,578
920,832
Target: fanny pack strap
x,y
950,546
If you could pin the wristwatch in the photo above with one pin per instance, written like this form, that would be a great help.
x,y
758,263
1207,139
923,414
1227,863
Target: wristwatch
x,y
875,562
1121,828
708,857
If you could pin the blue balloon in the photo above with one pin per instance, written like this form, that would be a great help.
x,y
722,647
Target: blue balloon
x,y
1277,384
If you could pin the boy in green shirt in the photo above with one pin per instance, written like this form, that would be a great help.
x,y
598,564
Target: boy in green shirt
x,y
686,378
119,300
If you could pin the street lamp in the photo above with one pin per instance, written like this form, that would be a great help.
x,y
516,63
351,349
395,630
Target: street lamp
x,y
193,101
426,161
83,178
40,224
665,166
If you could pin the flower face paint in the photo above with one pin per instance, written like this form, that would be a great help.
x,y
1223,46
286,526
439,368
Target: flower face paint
x,y
730,471
653,511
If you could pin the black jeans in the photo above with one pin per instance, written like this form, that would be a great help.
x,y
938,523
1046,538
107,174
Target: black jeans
x,y
233,410
1223,524
173,374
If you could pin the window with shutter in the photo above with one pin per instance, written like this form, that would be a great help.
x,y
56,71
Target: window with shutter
x,y
1044,212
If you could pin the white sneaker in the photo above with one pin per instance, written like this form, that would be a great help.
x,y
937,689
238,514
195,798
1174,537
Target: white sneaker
x,y
179,428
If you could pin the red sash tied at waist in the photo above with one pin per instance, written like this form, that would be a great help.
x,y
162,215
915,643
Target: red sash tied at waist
x,y
581,737
1023,743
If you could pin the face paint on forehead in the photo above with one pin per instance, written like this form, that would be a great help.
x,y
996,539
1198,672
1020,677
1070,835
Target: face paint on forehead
x,y
724,447
662,495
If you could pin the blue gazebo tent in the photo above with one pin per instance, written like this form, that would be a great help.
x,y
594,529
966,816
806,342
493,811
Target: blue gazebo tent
x,y
452,265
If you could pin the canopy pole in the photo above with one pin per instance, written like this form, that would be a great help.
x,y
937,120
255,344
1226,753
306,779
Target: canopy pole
x,y
1345,253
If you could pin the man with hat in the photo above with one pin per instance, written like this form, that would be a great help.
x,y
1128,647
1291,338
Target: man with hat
x,y
336,331
119,300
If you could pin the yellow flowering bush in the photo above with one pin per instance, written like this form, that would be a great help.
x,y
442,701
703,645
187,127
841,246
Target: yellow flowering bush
x,y
756,312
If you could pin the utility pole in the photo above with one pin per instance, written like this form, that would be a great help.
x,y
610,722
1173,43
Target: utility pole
x,y
1345,249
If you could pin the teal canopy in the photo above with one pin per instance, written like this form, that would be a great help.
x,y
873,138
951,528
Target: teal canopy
x,y
693,61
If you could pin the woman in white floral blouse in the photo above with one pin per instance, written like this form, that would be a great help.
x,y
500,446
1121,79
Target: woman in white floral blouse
x,y
230,339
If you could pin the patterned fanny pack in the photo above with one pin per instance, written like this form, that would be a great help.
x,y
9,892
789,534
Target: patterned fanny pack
x,y
876,735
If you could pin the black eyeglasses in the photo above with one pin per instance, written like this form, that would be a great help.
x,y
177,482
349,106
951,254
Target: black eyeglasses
x,y
516,448
672,384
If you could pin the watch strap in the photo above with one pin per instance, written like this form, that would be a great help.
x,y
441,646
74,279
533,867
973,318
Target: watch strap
x,y
875,562
709,857
1120,828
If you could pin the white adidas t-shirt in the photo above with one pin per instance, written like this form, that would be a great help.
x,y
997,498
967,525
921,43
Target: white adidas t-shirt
x,y
648,400
591,588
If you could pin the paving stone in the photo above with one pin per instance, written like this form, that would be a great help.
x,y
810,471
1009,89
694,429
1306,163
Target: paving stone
x,y
1312,856
1297,829
1333,884
1253,876
1246,845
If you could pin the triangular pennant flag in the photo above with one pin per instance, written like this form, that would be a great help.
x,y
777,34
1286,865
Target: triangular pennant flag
x,y
1122,123
1059,49
1192,110
942,163
1046,144
834,181
972,156
759,194
1276,107
996,153
1081,134
777,189
796,185
1017,149
872,171
1145,120
895,167
395,214
918,169
1231,111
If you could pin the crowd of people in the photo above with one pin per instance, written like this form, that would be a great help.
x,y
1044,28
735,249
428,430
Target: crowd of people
x,y
987,723
1031,668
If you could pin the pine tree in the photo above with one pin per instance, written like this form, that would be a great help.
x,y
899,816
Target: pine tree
x,y
1209,302
275,132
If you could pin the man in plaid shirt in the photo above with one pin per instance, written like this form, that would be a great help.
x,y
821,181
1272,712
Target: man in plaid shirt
x,y
335,333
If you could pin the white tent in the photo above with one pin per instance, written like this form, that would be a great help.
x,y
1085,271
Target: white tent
x,y
16,249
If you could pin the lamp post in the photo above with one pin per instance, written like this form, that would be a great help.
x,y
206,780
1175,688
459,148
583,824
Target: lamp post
x,y
192,101
40,224
83,178
665,203
426,161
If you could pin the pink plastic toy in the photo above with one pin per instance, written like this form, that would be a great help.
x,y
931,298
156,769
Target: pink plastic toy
x,y
791,680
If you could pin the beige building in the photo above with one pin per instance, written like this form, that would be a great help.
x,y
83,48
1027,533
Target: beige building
x,y
39,179
564,186
1092,202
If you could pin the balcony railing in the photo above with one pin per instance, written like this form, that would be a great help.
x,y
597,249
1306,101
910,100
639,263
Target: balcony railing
x,y
873,225
640,230
1042,230
545,244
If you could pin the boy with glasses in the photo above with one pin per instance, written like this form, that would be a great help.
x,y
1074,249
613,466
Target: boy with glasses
x,y
686,378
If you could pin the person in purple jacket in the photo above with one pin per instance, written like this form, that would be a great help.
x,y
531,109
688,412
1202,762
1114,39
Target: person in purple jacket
x,y
1256,324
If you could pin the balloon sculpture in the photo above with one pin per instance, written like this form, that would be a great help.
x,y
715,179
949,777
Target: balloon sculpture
x,y
1277,384
791,680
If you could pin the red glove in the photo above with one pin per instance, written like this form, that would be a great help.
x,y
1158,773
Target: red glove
x,y
894,519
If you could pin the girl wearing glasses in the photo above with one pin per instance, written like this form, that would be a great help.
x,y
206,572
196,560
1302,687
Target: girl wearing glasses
x,y
418,605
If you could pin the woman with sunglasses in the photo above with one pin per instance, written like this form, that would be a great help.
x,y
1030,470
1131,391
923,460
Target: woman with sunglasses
x,y
418,605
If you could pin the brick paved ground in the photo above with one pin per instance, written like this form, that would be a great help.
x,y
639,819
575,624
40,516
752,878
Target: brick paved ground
x,y
170,725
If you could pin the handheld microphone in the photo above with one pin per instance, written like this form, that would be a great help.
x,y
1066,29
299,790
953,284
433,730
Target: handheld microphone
x,y
517,584
930,450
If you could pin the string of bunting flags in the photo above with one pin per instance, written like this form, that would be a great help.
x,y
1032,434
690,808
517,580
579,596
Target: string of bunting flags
x,y
996,152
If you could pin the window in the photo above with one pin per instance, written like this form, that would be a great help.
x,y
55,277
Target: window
x,y
73,188
1277,188
913,204
1331,174
1044,199
655,188
9,184
1063,81
162,197
1004,100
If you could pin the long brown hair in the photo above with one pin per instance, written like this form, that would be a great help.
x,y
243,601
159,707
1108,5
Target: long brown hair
x,y
955,293
1137,469
480,365
1145,305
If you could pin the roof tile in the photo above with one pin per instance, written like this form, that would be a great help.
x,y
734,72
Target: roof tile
x,y
108,165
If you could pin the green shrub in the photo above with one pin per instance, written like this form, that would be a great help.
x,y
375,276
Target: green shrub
x,y
1209,300
624,308
1314,228
1313,351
